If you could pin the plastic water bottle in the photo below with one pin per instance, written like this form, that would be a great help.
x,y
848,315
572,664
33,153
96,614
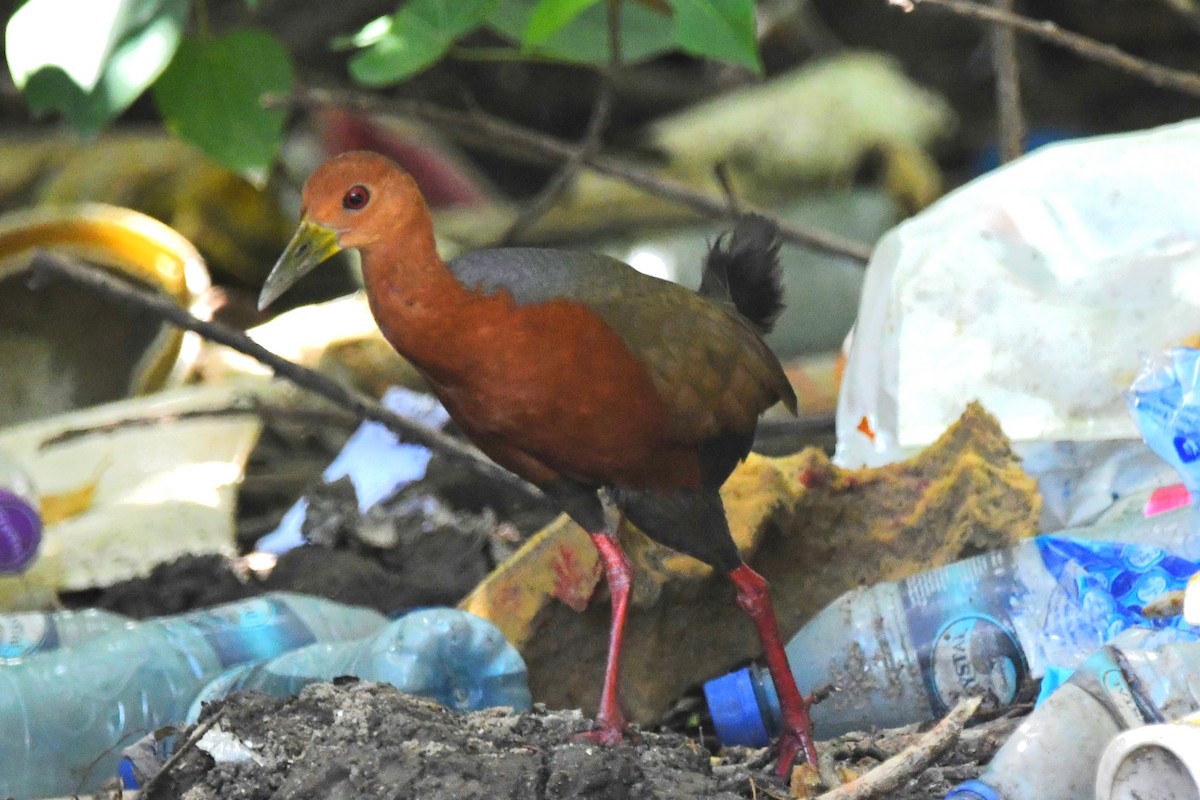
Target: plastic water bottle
x,y
65,714
461,660
29,632
1055,752
907,651
20,518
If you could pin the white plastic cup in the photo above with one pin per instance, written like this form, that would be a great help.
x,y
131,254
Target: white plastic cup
x,y
1154,762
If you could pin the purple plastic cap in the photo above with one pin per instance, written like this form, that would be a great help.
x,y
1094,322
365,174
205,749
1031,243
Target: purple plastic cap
x,y
734,709
20,532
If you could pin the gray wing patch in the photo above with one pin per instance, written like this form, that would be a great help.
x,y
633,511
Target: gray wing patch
x,y
533,275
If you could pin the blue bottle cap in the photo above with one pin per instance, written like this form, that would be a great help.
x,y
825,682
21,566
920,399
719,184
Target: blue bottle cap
x,y
20,532
973,790
735,711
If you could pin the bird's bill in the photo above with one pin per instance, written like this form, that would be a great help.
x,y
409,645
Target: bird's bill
x,y
310,245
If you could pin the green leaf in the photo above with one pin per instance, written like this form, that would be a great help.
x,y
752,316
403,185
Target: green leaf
x,y
551,16
718,29
414,38
91,60
644,33
211,93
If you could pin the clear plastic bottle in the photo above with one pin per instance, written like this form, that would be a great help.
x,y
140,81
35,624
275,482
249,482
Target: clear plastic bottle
x,y
20,518
28,632
908,650
461,660
65,714
1054,754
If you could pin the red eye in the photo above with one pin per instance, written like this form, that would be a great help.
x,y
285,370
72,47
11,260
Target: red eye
x,y
356,198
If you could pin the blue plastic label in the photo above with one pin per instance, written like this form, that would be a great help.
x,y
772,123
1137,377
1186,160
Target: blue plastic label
x,y
1103,586
959,620
252,630
1163,400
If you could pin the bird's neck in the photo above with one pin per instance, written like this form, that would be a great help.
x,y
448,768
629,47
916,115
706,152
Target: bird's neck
x,y
413,295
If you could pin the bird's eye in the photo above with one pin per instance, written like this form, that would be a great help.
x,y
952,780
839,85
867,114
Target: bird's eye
x,y
356,198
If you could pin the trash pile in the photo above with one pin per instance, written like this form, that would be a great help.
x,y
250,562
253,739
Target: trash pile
x,y
990,589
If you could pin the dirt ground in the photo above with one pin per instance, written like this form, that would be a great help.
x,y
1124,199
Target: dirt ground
x,y
366,740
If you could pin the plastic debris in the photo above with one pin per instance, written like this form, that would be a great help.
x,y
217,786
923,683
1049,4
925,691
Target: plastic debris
x,y
60,348
156,491
20,517
907,651
374,459
67,713
1028,290
1154,762
456,658
27,633
1141,677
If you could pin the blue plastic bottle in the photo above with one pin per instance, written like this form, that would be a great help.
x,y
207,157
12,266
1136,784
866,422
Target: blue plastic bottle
x,y
456,658
28,632
65,714
907,651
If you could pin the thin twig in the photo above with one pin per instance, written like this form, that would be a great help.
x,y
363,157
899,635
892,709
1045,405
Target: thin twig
x,y
588,146
721,171
911,760
188,745
1084,46
240,407
46,265
494,132
1008,88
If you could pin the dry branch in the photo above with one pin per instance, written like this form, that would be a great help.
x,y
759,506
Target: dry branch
x,y
1083,46
499,134
911,760
45,266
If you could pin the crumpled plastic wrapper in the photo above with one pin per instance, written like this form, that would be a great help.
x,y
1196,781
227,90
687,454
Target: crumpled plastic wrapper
x,y
1034,289
149,493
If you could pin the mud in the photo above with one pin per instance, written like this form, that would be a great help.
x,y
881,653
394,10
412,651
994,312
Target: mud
x,y
366,740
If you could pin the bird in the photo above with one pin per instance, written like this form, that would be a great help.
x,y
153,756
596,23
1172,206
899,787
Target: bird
x,y
594,382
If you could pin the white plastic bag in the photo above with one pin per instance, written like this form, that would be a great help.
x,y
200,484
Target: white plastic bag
x,y
1035,289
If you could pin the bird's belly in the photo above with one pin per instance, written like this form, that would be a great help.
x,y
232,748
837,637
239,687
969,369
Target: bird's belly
x,y
554,384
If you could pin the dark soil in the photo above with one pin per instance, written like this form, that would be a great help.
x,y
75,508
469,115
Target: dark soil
x,y
366,740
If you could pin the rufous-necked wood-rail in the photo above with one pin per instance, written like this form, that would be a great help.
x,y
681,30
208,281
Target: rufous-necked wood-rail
x,y
581,375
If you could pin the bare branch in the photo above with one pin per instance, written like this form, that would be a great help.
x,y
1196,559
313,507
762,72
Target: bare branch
x,y
1083,46
45,265
588,146
888,776
500,134
1008,88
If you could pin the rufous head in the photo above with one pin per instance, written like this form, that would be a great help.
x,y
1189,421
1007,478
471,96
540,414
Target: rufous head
x,y
354,200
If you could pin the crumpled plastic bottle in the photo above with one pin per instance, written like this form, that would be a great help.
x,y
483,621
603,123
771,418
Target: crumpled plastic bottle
x,y
1137,679
461,660
65,714
26,633
905,651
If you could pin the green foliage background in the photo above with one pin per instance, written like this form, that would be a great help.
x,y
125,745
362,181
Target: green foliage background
x,y
208,88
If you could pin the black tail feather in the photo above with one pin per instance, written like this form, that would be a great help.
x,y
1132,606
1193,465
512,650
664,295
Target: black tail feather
x,y
746,271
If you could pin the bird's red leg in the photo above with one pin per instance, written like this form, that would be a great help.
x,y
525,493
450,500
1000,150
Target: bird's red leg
x,y
755,600
609,719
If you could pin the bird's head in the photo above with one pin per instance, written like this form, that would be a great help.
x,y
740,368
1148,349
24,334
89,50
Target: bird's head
x,y
352,200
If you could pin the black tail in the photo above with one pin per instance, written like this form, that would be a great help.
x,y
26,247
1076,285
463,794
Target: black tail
x,y
746,272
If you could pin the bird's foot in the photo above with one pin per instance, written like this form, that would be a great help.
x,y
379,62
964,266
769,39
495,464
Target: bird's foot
x,y
796,738
609,730
605,735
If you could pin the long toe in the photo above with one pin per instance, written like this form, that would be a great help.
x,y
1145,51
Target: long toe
x,y
792,742
606,734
